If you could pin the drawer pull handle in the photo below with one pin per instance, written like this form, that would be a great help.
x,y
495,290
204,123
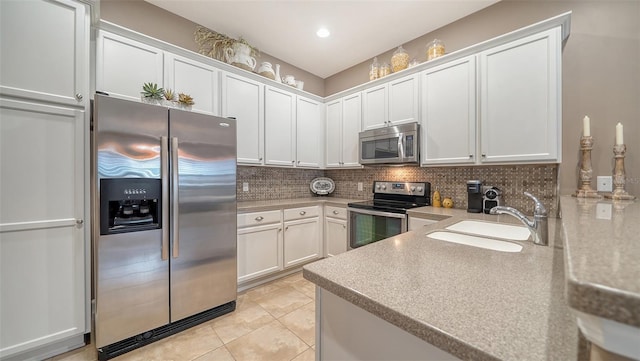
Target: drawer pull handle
x,y
335,212
302,213
259,218
286,228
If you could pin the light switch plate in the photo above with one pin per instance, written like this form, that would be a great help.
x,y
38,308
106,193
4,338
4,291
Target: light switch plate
x,y
605,184
245,186
359,186
603,211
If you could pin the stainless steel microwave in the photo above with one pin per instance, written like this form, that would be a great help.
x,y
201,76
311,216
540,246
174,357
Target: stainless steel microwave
x,y
399,144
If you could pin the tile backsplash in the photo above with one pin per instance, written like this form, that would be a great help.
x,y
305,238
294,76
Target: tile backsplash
x,y
281,183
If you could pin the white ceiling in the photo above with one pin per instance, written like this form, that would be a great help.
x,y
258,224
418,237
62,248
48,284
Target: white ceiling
x,y
359,30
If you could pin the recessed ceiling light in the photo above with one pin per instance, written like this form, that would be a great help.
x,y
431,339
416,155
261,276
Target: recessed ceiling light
x,y
323,32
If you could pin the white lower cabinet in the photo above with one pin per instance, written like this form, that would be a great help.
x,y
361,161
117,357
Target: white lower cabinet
x,y
417,223
302,235
259,245
335,230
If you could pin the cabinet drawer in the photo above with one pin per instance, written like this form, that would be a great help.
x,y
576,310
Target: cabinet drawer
x,y
302,212
258,218
335,212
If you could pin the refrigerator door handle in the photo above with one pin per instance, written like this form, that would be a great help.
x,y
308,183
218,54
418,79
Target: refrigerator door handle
x,y
175,201
164,176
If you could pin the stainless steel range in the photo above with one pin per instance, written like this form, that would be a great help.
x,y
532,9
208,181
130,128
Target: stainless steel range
x,y
386,215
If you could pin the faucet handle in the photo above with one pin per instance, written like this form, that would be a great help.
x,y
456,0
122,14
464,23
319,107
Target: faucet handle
x,y
539,209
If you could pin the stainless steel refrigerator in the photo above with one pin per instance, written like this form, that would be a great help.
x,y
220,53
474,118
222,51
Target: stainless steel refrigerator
x,y
164,230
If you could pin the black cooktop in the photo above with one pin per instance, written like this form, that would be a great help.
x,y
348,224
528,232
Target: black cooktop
x,y
387,205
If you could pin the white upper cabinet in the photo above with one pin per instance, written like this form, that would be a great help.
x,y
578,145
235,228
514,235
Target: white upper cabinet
x,y
45,50
374,104
404,100
448,129
343,125
183,75
243,99
279,124
309,132
520,90
392,103
124,65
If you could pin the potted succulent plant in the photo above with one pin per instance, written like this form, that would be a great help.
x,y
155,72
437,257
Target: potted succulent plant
x,y
151,93
185,101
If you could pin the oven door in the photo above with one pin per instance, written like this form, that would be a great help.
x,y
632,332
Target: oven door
x,y
366,226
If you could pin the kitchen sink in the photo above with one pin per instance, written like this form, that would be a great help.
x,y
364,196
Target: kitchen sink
x,y
491,229
476,241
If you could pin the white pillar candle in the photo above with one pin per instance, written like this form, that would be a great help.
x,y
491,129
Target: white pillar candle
x,y
586,127
619,134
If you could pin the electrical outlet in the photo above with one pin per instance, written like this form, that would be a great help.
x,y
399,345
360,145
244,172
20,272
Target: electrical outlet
x,y
359,186
245,186
605,184
603,210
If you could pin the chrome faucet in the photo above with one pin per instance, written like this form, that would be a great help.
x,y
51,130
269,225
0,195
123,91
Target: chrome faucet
x,y
539,227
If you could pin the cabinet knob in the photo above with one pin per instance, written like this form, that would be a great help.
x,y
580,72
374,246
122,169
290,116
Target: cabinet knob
x,y
298,162
302,213
470,155
293,162
343,226
79,222
335,212
286,228
259,218
78,96
260,159
484,155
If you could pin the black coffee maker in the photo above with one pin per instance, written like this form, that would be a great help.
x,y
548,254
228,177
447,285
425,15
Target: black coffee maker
x,y
474,193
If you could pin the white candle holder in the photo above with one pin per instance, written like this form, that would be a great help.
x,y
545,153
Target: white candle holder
x,y
586,173
619,193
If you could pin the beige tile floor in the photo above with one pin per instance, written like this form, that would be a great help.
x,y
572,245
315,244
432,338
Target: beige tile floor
x,y
274,321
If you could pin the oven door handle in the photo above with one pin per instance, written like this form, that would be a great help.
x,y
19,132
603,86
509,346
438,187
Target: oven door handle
x,y
377,213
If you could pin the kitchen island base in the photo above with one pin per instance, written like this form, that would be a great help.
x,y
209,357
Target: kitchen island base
x,y
347,332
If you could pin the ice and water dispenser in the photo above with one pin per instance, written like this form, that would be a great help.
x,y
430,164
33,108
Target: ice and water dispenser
x,y
130,205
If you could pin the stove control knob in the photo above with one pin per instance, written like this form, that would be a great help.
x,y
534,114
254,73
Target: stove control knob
x,y
378,186
384,186
419,189
413,189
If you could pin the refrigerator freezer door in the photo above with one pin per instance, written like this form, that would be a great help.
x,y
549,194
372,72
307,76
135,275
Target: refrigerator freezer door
x,y
131,277
203,262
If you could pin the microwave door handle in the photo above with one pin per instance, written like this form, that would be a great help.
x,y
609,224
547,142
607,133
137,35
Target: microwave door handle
x,y
401,155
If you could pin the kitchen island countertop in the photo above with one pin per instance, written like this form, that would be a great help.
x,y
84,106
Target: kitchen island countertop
x,y
471,302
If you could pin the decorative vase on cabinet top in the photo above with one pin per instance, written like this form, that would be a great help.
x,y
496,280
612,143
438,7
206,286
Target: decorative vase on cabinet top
x,y
266,70
240,55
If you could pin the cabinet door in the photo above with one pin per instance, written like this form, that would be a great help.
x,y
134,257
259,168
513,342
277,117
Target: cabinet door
x,y
351,118
519,97
279,125
259,251
374,103
335,236
199,80
243,99
124,65
334,134
301,241
403,100
309,133
449,113
42,244
45,50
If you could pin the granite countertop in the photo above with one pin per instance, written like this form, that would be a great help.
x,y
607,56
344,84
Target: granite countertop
x,y
602,257
474,303
256,206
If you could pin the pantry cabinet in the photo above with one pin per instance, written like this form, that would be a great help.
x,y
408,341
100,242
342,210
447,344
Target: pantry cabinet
x,y
199,80
302,235
520,90
335,230
343,125
448,129
243,99
259,244
392,103
124,65
279,124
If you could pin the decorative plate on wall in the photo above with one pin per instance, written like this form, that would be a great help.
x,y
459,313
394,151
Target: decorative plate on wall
x,y
322,186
